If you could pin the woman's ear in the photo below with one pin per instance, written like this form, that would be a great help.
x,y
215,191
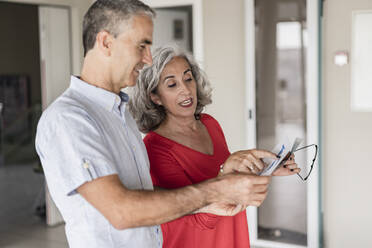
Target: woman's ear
x,y
155,99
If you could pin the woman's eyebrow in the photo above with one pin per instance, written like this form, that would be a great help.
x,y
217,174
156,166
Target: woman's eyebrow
x,y
172,76
168,77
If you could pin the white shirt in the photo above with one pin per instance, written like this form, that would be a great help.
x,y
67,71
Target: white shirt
x,y
85,134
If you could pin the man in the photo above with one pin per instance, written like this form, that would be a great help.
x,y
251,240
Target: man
x,y
93,157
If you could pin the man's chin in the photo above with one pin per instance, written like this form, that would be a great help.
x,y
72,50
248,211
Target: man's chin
x,y
130,83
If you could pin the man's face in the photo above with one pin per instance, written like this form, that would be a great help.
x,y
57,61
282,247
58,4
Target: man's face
x,y
131,51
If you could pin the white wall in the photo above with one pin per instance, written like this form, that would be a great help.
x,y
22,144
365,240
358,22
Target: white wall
x,y
224,65
347,138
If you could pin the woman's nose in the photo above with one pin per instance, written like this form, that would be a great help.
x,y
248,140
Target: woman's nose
x,y
185,88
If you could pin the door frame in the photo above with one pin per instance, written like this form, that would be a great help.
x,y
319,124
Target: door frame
x,y
197,22
313,97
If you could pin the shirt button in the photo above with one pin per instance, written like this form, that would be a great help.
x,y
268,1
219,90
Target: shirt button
x,y
86,165
117,99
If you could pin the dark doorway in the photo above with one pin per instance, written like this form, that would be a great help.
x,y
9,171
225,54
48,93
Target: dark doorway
x,y
21,180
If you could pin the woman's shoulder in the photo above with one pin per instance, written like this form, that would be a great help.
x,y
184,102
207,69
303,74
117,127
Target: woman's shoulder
x,y
208,119
153,140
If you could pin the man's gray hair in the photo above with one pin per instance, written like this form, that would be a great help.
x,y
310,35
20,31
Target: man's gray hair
x,y
108,15
149,115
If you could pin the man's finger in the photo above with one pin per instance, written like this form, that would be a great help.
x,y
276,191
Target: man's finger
x,y
256,203
260,179
260,188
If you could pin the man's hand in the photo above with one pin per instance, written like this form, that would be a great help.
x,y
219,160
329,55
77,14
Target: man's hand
x,y
222,209
239,188
289,168
247,161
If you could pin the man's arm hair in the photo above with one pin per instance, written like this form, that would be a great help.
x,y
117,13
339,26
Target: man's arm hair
x,y
125,208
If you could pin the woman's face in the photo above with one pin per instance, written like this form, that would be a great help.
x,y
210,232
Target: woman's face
x,y
176,91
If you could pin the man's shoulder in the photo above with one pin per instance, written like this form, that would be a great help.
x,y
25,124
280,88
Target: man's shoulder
x,y
64,104
67,108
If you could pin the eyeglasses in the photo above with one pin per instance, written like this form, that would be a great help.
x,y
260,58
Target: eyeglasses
x,y
304,170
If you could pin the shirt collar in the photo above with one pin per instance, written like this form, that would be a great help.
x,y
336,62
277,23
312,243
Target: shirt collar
x,y
104,98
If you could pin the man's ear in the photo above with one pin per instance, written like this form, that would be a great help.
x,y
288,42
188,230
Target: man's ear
x,y
104,41
155,99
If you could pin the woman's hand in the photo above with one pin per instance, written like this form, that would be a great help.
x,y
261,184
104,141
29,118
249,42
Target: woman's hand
x,y
247,161
289,168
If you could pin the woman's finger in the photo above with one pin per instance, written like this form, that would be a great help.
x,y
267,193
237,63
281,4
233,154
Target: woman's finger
x,y
258,163
250,162
294,171
292,166
263,154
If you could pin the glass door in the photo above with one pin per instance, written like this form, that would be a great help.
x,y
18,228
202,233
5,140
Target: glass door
x,y
277,75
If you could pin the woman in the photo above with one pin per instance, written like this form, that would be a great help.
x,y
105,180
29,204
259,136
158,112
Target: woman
x,y
186,146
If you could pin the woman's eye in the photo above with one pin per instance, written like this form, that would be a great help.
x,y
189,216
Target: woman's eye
x,y
171,85
188,79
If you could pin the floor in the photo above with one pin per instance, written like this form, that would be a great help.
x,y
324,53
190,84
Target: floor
x,y
21,191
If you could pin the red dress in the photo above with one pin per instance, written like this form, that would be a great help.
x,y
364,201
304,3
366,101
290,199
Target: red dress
x,y
173,165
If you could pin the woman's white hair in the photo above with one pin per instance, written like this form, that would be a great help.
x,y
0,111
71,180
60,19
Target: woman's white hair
x,y
149,115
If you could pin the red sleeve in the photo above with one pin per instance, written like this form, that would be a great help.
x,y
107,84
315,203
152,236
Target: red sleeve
x,y
167,173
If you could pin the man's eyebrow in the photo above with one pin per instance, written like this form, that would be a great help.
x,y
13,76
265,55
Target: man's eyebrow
x,y
146,41
186,71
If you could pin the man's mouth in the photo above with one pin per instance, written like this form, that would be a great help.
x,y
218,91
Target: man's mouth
x,y
138,68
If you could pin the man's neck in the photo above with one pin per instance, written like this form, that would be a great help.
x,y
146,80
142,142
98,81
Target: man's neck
x,y
95,73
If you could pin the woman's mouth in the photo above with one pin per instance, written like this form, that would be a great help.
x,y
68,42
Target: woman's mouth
x,y
187,103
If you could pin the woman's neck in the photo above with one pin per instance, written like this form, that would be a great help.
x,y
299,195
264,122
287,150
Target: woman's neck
x,y
173,124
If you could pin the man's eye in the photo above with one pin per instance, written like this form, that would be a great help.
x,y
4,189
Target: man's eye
x,y
171,85
188,79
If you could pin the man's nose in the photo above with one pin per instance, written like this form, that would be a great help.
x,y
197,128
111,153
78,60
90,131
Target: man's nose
x,y
147,57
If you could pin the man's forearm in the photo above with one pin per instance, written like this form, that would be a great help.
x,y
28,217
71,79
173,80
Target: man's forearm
x,y
146,208
125,208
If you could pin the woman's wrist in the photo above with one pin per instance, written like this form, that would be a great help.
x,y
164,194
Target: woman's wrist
x,y
221,171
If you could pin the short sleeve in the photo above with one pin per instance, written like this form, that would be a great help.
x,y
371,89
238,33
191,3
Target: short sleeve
x,y
72,150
